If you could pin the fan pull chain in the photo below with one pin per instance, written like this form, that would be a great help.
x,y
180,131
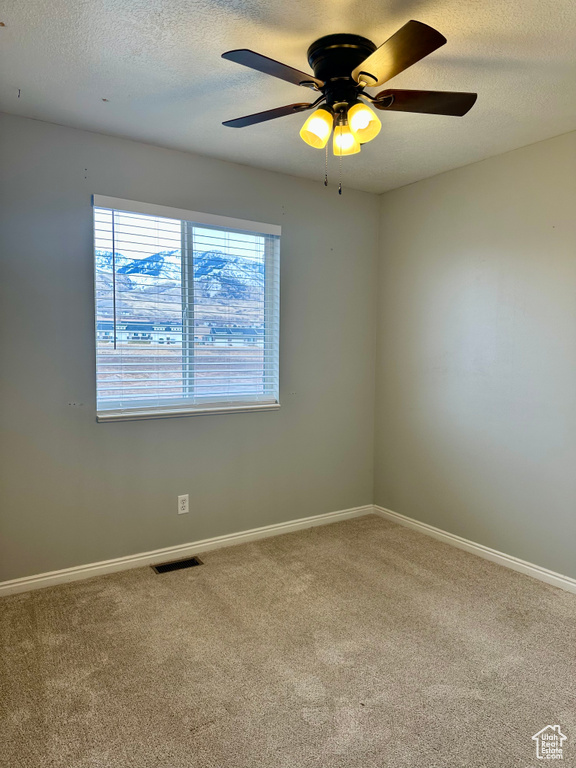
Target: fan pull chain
x,y
326,168
340,181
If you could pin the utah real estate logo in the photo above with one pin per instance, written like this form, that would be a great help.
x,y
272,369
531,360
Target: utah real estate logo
x,y
549,743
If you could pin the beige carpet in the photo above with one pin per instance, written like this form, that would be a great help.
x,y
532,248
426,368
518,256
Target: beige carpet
x,y
356,645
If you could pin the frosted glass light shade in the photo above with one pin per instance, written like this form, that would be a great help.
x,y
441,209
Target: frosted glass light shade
x,y
317,129
363,123
345,143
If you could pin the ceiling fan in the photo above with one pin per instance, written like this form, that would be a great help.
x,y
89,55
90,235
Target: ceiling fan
x,y
344,65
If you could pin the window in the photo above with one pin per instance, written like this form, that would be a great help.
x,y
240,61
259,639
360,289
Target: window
x,y
186,311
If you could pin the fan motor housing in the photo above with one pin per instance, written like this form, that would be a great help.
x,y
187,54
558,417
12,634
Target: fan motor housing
x,y
335,56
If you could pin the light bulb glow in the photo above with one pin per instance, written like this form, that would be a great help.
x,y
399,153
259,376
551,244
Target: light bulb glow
x,y
317,129
363,123
345,142
360,121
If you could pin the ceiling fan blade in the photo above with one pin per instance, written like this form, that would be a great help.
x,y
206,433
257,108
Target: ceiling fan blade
x,y
271,114
411,43
270,67
430,102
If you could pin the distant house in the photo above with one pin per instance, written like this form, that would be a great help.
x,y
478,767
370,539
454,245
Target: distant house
x,y
224,336
162,333
549,743
134,331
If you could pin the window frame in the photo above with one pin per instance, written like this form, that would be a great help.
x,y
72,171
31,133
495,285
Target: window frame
x,y
214,405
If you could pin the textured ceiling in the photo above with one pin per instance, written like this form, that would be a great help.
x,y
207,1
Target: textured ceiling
x,y
157,63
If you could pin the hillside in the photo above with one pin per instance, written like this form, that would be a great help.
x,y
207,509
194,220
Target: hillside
x,y
226,288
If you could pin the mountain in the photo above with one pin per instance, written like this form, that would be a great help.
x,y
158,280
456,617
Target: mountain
x,y
105,259
164,265
150,288
226,278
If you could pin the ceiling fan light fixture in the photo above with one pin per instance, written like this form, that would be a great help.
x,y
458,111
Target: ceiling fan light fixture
x,y
317,128
363,123
345,143
344,65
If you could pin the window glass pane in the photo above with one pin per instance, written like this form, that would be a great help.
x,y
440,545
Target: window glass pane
x,y
186,314
139,306
229,296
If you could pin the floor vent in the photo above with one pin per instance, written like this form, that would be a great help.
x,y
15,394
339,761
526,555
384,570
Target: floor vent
x,y
177,565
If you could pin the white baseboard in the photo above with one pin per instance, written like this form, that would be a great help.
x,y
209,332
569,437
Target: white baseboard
x,y
536,571
180,551
141,559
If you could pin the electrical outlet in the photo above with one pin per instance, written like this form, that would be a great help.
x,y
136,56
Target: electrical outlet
x,y
183,504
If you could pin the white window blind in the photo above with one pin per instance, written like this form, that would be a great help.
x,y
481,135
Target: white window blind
x,y
187,309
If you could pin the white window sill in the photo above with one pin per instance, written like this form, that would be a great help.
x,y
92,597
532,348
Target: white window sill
x,y
166,413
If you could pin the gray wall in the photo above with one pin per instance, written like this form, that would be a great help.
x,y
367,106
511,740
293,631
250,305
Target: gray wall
x,y
476,361
476,371
74,491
